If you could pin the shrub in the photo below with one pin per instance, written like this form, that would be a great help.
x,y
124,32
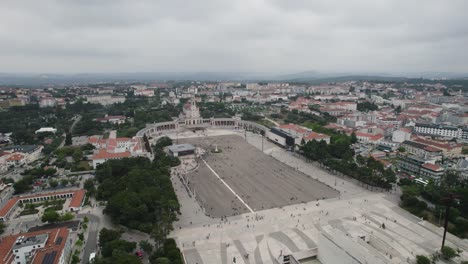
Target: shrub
x,y
422,260
449,253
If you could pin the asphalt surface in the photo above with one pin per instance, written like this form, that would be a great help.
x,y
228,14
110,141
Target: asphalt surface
x,y
259,180
91,241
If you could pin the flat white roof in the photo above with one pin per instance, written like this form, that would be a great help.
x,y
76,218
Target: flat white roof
x,y
46,129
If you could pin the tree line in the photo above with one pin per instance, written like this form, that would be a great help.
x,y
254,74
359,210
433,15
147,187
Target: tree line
x,y
433,192
339,156
140,195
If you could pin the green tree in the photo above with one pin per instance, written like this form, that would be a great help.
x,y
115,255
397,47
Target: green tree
x,y
451,178
89,187
422,260
68,139
63,182
124,258
366,106
50,172
75,259
139,193
353,138
23,185
2,227
158,235
72,180
66,217
398,109
161,260
163,142
77,155
117,245
53,183
461,225
107,235
50,217
87,147
146,246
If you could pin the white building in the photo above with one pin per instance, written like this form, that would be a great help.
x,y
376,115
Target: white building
x,y
46,130
116,148
111,119
105,99
47,102
369,138
16,160
439,130
401,135
38,247
190,111
19,155
146,93
432,171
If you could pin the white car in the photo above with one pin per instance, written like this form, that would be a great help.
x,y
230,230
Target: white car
x,y
92,256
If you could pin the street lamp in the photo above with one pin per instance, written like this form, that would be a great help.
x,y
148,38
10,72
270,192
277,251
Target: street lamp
x,y
448,201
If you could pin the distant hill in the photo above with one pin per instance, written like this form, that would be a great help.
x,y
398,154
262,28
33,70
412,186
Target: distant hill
x,y
312,77
347,78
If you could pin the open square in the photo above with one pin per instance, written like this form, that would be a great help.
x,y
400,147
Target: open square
x,y
243,179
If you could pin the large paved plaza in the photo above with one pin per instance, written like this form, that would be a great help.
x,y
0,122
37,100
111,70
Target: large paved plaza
x,y
242,179
351,221
262,237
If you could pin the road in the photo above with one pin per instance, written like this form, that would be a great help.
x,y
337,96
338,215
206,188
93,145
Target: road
x,y
71,130
273,121
91,241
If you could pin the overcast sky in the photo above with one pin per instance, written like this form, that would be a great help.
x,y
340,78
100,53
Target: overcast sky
x,y
74,36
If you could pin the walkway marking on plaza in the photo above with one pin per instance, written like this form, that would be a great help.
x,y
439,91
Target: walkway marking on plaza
x,y
227,186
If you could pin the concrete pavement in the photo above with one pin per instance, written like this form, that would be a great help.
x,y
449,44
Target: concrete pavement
x,y
262,236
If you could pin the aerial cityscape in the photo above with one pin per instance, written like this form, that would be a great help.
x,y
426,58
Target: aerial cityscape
x,y
168,132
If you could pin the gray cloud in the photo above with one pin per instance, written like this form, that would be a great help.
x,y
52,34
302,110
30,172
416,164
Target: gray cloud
x,y
226,35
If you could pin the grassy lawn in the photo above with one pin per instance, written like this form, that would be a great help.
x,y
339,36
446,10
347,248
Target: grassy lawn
x,y
29,211
82,166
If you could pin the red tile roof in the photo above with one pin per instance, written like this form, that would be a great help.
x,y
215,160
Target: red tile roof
x,y
103,154
53,243
15,157
123,139
294,127
7,207
431,149
370,136
316,136
92,140
432,167
386,163
406,129
76,200
437,144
